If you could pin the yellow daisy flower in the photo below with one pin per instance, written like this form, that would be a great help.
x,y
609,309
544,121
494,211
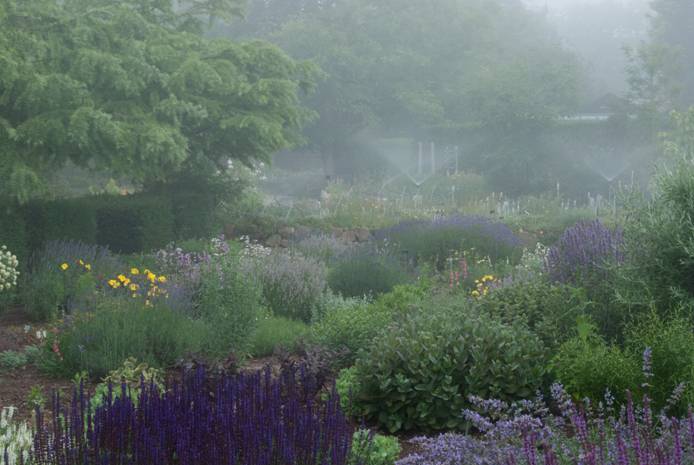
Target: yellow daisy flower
x,y
88,267
162,279
134,271
122,278
64,266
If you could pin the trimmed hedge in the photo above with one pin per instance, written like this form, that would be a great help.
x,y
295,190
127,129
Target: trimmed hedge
x,y
135,223
63,219
193,214
124,224
13,232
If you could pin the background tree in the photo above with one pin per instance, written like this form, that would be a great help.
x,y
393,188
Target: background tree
x,y
134,88
395,69
660,72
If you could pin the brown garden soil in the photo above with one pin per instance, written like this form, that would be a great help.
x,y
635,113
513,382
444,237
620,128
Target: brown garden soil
x,y
15,385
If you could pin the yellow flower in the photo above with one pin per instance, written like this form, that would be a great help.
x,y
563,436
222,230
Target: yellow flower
x,y
64,266
126,282
134,271
88,267
475,293
122,278
162,279
113,283
81,262
151,276
133,287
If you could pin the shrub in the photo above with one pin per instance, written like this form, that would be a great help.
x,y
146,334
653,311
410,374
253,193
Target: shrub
x,y
366,273
418,373
355,323
275,333
434,241
374,449
229,306
99,343
588,367
670,345
292,284
63,219
251,419
658,236
135,223
549,310
527,434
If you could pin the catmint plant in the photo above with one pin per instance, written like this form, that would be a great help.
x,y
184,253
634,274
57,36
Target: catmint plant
x,y
578,433
583,252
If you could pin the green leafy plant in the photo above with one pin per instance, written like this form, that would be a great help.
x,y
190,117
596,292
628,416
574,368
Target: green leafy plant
x,y
36,398
418,374
369,448
353,326
229,308
347,386
131,374
549,310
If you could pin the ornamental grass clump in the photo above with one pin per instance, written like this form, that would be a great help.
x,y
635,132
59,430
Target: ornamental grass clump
x,y
249,419
8,269
583,252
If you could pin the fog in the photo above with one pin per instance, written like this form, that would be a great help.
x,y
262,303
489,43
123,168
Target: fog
x,y
521,95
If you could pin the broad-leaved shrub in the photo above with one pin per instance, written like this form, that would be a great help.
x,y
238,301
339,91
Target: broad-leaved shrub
x,y
418,373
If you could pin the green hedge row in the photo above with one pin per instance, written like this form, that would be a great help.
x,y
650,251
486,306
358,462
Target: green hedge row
x,y
125,224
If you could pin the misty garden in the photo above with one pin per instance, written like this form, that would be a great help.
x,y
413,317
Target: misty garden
x,y
346,232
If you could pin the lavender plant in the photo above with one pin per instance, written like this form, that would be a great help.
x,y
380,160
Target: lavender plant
x,y
250,419
583,251
292,284
325,247
435,240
